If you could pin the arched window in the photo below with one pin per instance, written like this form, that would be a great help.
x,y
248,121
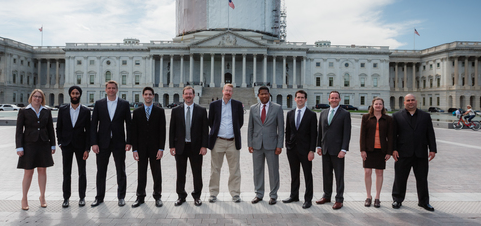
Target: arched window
x,y
346,80
108,76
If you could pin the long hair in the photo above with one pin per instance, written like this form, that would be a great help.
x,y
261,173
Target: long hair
x,y
33,92
371,110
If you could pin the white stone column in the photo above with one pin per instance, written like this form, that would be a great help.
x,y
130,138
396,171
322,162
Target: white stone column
x,y
294,73
405,76
476,73
57,78
201,73
304,72
171,84
161,72
99,73
244,70
48,75
264,80
456,75
396,78
67,68
152,72
222,72
191,69
414,76
254,66
274,84
212,83
284,79
181,83
466,75
233,69
39,65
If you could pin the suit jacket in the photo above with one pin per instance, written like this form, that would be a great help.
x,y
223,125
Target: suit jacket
x,y
79,135
414,139
199,128
215,116
30,128
101,125
368,133
148,135
332,138
304,139
269,135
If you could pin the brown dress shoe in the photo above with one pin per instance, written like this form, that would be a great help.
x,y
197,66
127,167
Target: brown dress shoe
x,y
337,205
367,203
377,203
256,200
322,201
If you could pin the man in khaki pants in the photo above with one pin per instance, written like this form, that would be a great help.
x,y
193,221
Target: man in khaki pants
x,y
226,117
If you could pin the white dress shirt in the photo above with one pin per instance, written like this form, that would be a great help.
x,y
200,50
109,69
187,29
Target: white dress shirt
x,y
262,106
226,128
303,110
112,106
74,114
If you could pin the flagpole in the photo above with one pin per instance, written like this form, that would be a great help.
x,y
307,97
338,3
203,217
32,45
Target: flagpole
x,y
414,38
228,18
41,43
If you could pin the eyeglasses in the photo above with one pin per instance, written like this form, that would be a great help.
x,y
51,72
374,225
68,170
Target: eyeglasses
x,y
40,97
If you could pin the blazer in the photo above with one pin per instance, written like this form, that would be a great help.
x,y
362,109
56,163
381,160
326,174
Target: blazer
x,y
368,133
269,135
415,139
332,138
199,128
215,116
101,126
79,135
148,135
30,128
304,139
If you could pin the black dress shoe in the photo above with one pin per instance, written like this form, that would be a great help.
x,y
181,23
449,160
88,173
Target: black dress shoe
x,y
256,200
396,205
290,199
121,202
65,203
179,202
138,202
158,203
426,206
81,202
197,202
272,201
307,205
96,203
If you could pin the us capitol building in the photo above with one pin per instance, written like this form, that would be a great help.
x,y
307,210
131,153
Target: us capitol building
x,y
249,50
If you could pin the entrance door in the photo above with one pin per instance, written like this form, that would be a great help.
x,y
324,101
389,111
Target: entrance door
x,y
228,78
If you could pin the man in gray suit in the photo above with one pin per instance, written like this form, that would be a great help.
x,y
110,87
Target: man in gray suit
x,y
333,143
265,140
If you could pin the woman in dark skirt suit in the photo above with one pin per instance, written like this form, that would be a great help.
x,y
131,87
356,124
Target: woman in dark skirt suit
x,y
376,146
35,143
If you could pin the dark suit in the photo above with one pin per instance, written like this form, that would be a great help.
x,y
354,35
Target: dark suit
x,y
148,137
199,138
73,140
215,115
413,135
109,135
332,139
299,142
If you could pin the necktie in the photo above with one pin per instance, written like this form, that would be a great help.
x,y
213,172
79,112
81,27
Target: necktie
x,y
147,113
263,114
330,116
187,124
298,121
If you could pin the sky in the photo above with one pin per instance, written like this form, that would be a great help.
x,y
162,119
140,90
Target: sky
x,y
343,22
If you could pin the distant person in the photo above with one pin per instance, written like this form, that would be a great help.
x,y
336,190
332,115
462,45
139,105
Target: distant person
x,y
35,143
469,114
376,147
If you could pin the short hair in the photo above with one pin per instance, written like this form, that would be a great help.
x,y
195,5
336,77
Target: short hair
x,y
468,106
301,92
262,88
334,91
112,82
148,88
229,85
189,87
371,110
33,92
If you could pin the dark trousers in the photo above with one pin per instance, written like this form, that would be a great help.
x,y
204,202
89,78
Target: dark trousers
x,y
297,159
402,169
146,156
67,155
195,164
102,164
333,163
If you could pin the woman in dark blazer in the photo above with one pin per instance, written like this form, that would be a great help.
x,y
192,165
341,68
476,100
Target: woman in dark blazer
x,y
35,143
376,146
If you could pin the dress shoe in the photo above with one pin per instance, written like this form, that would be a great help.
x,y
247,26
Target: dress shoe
x,y
158,203
256,200
307,205
96,202
290,199
65,203
197,202
377,203
396,205
138,202
121,202
272,201
337,205
212,199
81,202
179,202
426,206
236,199
367,203
322,201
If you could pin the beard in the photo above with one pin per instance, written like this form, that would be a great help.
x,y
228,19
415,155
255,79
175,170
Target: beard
x,y
74,100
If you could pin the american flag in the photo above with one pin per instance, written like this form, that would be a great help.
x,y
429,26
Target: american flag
x,y
41,29
416,32
231,4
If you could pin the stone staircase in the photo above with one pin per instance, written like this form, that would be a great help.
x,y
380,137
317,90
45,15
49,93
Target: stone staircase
x,y
244,95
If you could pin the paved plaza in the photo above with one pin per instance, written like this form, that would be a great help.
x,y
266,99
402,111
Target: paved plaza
x,y
454,184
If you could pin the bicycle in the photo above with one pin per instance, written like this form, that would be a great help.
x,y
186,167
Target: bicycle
x,y
474,125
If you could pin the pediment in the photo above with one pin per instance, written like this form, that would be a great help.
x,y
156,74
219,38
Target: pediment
x,y
227,39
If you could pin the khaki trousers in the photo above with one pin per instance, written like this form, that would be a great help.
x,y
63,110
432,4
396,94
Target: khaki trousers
x,y
227,148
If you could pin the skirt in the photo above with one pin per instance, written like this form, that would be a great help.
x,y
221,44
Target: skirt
x,y
35,154
375,160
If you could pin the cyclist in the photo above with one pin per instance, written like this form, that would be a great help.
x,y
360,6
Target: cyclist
x,y
469,114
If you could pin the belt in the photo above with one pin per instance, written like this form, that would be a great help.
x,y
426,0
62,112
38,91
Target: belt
x,y
227,139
